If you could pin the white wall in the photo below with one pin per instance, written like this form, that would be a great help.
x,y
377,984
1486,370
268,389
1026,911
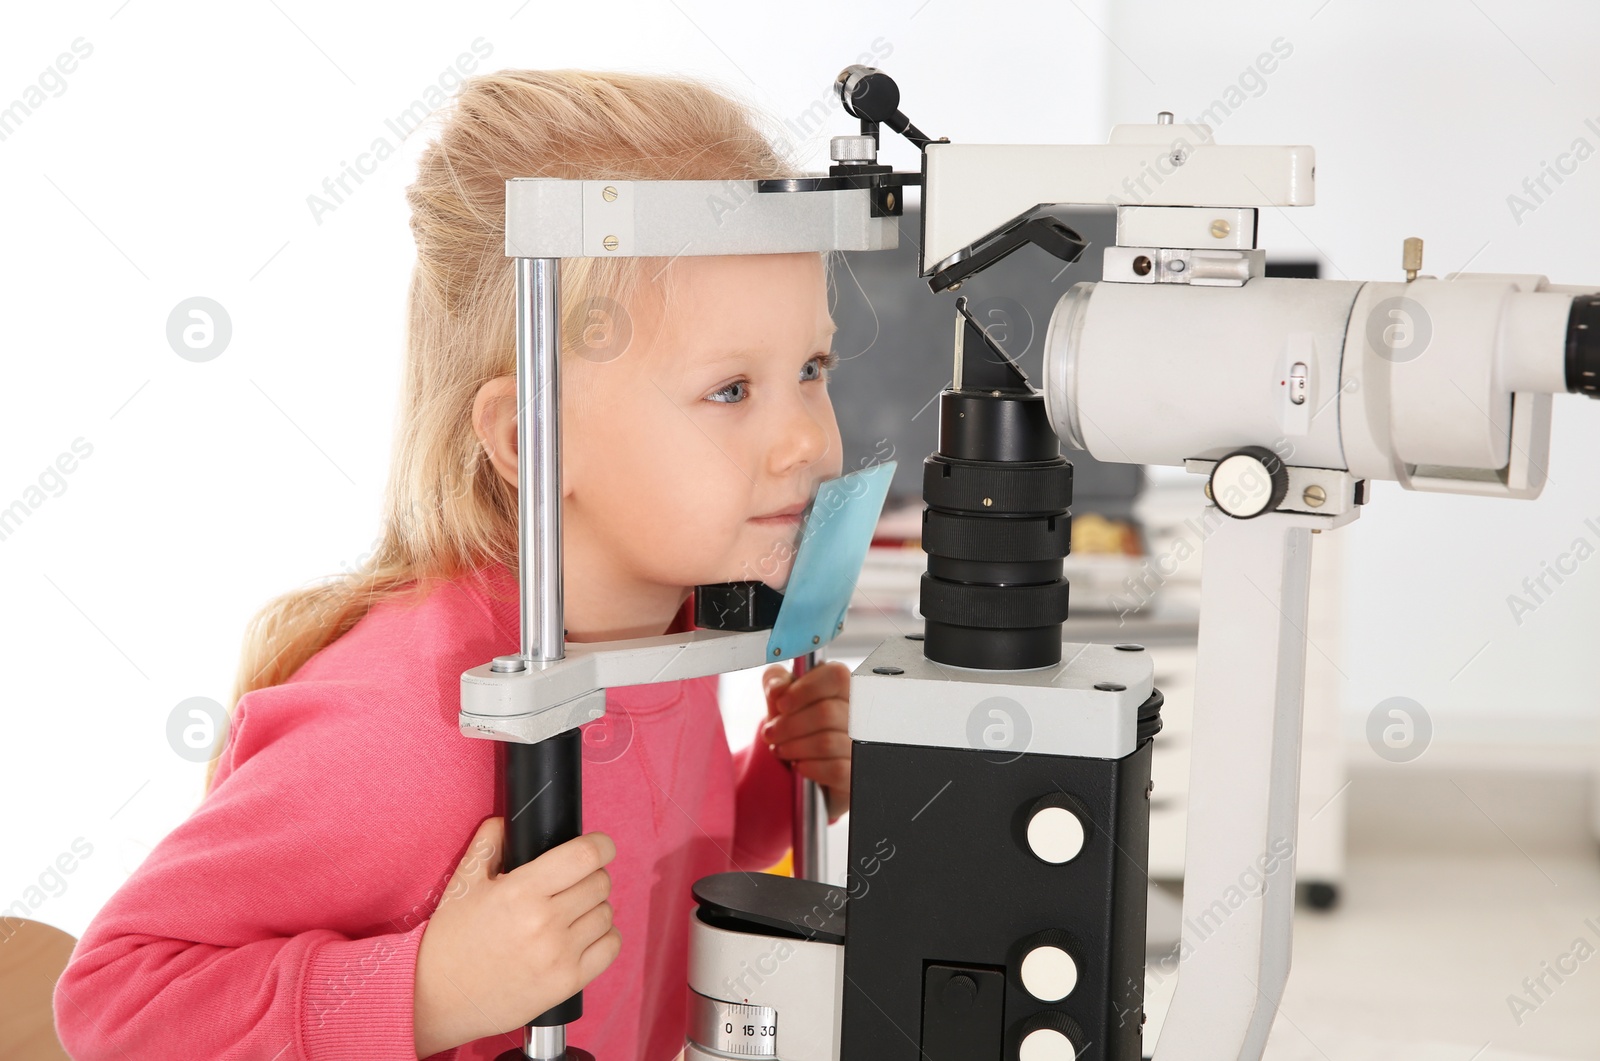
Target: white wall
x,y
1425,118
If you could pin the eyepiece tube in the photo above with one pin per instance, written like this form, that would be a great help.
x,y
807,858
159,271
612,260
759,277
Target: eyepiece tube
x,y
1583,346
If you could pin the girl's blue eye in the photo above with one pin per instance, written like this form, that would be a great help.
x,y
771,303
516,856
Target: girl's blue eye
x,y
825,362
719,396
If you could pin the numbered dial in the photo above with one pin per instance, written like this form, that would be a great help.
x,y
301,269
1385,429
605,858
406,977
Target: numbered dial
x,y
735,1029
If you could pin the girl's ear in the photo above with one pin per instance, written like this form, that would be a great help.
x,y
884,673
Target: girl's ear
x,y
494,420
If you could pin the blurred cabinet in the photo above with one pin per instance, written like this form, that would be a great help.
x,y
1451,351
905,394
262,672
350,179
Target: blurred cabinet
x,y
1320,845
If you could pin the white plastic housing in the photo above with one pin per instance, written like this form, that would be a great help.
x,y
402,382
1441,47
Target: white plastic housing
x,y
1435,384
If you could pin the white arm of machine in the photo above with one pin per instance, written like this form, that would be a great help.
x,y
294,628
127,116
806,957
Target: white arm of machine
x,y
1244,787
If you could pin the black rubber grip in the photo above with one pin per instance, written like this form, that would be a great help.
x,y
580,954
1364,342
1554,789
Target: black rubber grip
x,y
544,809
1583,346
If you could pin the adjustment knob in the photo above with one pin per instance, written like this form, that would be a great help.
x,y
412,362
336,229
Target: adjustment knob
x,y
1248,482
1583,346
1047,1044
1048,973
960,993
1055,833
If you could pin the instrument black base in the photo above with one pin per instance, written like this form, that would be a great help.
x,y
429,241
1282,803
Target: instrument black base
x,y
949,898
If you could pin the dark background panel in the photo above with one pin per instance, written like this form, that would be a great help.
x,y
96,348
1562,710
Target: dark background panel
x,y
896,340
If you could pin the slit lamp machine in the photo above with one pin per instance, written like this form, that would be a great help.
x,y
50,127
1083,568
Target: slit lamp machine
x,y
994,906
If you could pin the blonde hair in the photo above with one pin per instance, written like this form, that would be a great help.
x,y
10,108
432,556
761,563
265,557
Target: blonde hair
x,y
447,512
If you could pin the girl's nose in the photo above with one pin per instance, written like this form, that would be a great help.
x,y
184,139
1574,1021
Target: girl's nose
x,y
803,439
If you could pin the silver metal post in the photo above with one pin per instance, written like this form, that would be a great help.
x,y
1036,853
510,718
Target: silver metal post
x,y
539,458
538,304
546,1044
809,836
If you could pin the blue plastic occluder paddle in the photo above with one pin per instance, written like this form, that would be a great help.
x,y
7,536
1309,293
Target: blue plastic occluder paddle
x,y
834,539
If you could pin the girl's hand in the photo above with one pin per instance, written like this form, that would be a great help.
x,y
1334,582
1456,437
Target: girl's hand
x,y
501,948
808,726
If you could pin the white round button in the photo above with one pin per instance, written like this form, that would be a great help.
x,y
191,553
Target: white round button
x,y
1055,834
1049,974
1241,485
1046,1044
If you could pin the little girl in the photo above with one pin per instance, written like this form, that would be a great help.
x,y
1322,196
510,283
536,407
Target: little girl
x,y
337,894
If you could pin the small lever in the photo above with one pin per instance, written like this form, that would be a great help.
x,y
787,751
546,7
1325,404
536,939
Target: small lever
x,y
1411,258
871,95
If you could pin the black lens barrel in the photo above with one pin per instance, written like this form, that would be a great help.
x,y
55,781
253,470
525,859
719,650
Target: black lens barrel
x,y
995,529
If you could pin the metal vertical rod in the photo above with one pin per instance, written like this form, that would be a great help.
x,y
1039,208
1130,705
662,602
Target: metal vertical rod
x,y
539,458
809,821
535,825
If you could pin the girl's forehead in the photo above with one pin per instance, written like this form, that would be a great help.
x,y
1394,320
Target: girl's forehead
x,y
746,276
724,308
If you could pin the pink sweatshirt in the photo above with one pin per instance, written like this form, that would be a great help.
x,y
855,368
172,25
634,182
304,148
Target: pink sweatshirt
x,y
280,921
